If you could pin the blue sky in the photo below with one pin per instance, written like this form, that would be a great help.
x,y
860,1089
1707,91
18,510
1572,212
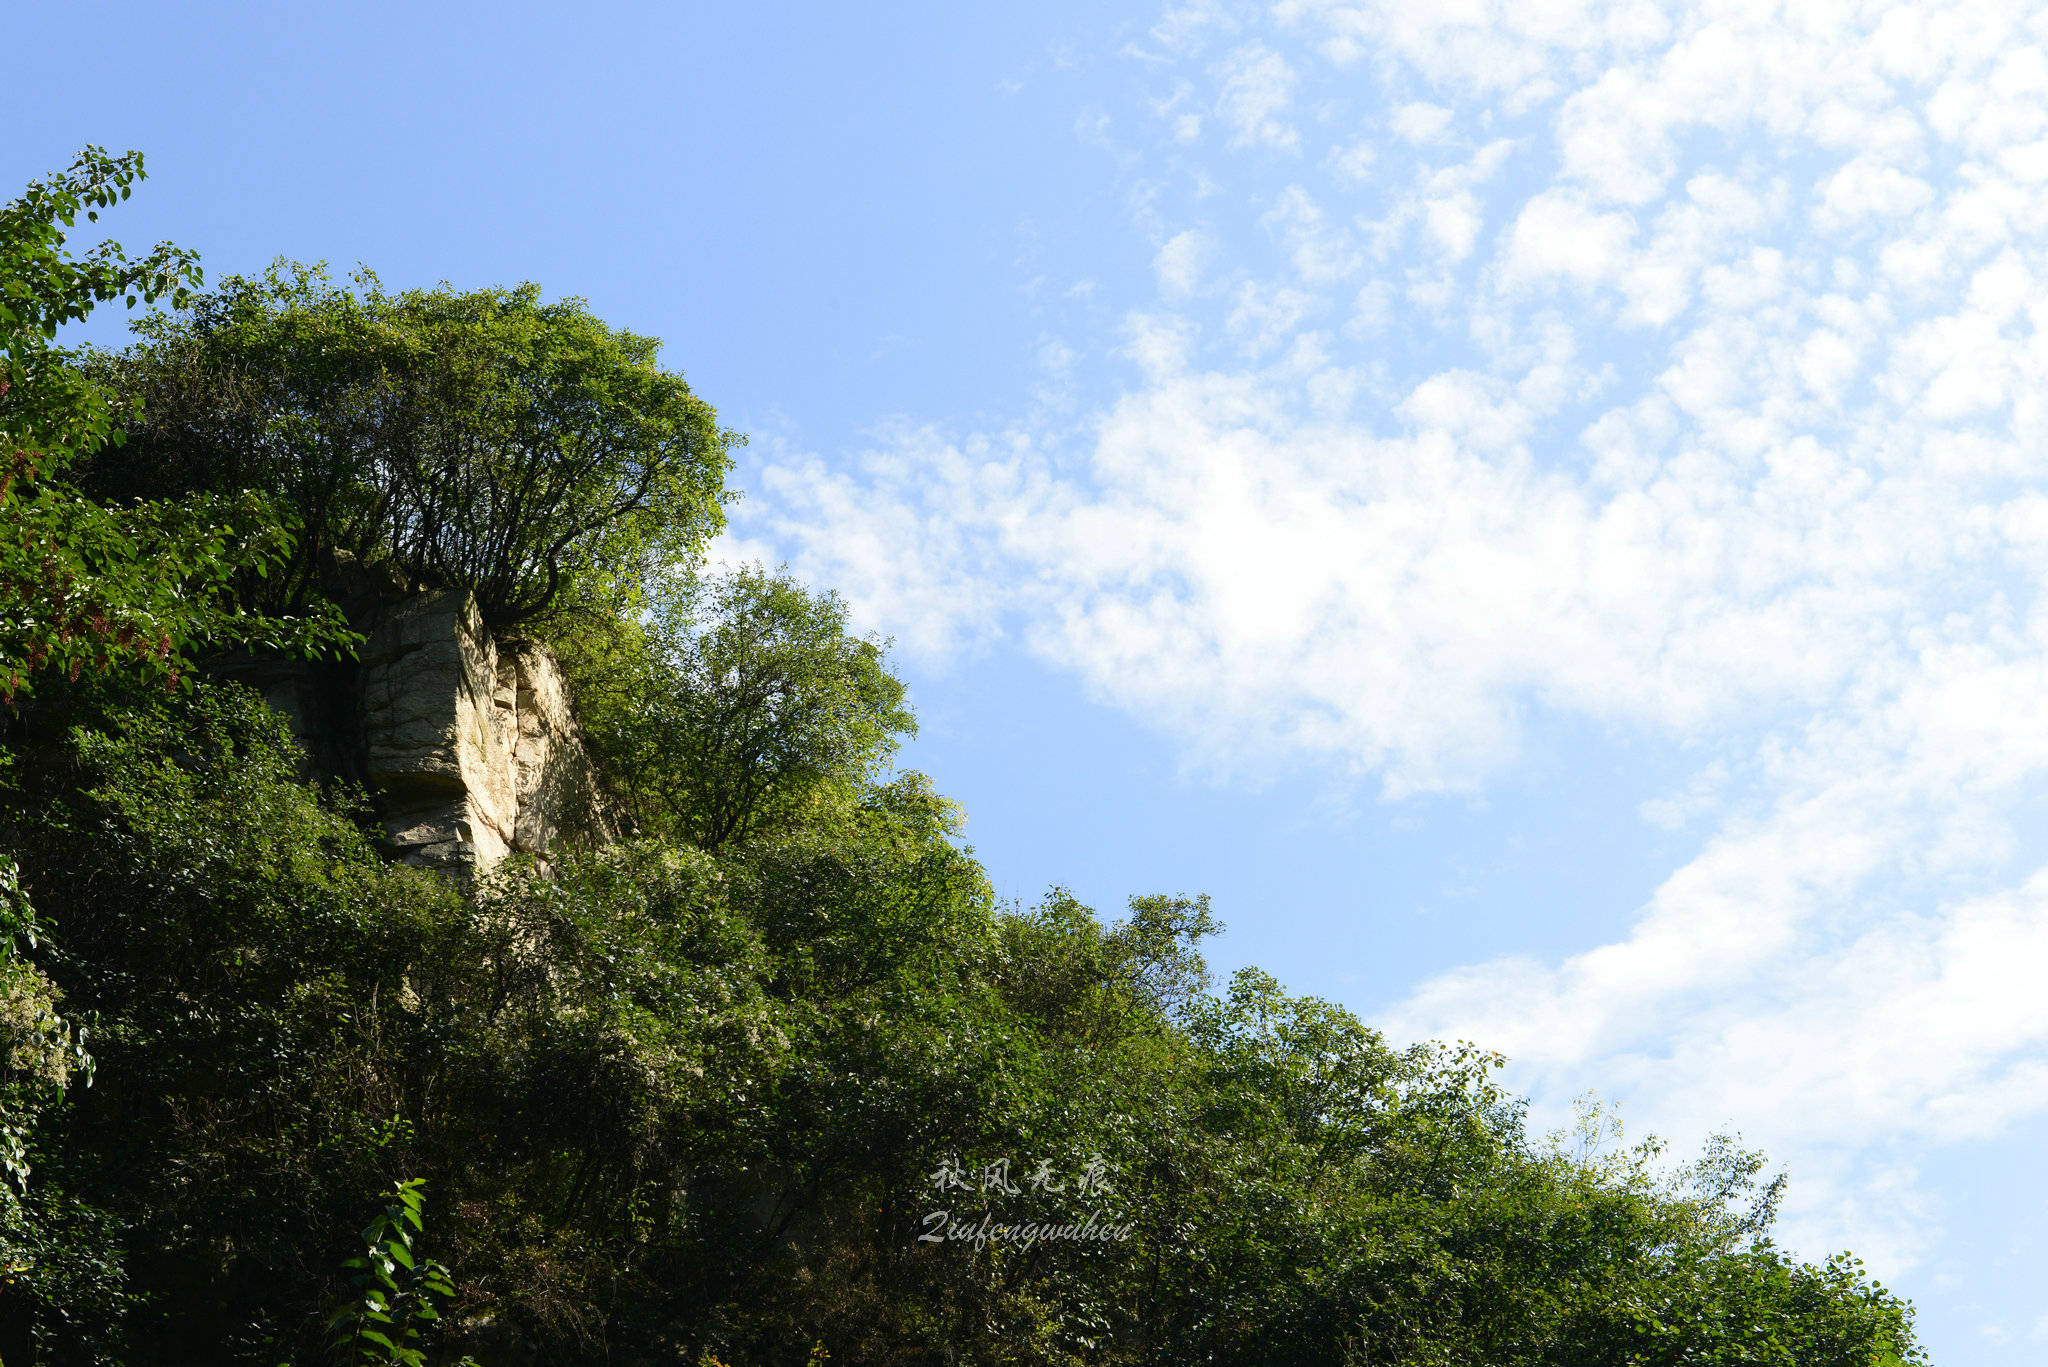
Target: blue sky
x,y
1535,507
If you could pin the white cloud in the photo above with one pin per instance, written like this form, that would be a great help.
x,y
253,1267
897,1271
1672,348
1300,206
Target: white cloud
x,y
1449,203
1353,165
1321,254
1179,262
1257,86
1867,191
1183,27
1706,404
1262,317
1421,121
1559,235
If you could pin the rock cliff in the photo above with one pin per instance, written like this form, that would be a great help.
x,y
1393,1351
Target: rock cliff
x,y
467,743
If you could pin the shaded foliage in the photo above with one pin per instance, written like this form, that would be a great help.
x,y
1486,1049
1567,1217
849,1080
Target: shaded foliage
x,y
678,1105
219,921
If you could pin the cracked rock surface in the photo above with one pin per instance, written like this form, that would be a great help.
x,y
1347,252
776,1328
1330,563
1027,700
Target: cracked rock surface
x,y
467,743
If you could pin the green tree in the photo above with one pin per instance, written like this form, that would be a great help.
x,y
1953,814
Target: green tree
x,y
482,439
84,586
134,590
43,287
739,699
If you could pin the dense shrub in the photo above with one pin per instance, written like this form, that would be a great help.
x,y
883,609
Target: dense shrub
x,y
243,955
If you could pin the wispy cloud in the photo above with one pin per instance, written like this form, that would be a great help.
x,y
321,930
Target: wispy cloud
x,y
1257,87
1180,261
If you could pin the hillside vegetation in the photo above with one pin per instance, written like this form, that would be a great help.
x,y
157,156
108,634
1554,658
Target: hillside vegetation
x,y
777,1079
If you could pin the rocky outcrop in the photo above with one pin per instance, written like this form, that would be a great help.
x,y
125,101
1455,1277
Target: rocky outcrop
x,y
467,744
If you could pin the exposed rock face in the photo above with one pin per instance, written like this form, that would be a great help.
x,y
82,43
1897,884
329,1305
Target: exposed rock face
x,y
467,743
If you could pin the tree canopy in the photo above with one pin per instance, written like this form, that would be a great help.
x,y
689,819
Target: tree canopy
x,y
481,439
84,585
817,1091
734,699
